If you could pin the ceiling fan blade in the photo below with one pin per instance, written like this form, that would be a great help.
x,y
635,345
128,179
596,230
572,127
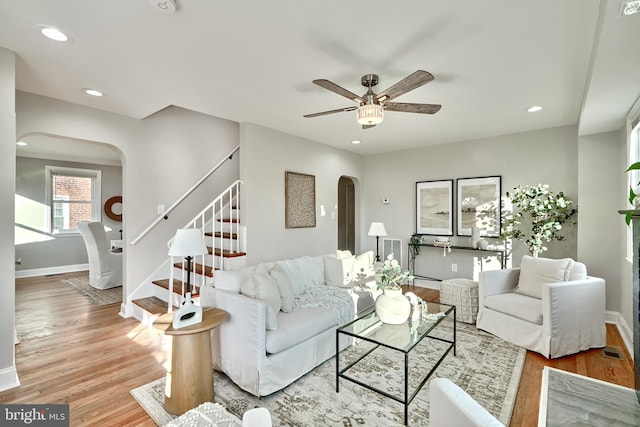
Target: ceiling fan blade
x,y
339,90
412,108
339,110
405,85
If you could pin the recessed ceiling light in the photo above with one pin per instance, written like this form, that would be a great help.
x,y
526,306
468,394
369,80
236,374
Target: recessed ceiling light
x,y
630,7
21,143
92,92
355,141
534,108
54,34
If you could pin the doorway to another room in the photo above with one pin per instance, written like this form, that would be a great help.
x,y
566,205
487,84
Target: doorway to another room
x,y
346,214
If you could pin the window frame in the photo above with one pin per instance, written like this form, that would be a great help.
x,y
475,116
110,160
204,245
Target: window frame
x,y
633,155
96,195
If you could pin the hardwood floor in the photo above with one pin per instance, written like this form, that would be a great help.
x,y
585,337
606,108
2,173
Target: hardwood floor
x,y
72,351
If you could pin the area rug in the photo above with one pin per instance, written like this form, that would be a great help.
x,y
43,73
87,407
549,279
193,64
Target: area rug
x,y
487,367
97,296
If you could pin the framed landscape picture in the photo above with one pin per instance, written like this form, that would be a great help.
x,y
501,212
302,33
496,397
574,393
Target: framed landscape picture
x,y
479,205
434,207
300,200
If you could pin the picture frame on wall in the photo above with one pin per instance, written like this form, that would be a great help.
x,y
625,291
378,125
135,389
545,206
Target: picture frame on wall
x,y
434,207
478,205
300,200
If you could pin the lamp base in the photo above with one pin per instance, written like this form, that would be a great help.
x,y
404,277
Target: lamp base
x,y
188,314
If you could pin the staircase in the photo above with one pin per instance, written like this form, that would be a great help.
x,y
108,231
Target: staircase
x,y
224,237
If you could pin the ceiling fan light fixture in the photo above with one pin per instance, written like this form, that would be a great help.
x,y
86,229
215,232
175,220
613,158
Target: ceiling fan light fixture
x,y
370,114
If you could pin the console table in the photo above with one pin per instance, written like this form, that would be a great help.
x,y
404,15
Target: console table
x,y
481,253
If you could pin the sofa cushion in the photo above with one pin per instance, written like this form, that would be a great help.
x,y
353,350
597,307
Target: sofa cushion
x,y
343,254
578,272
298,326
313,270
535,272
337,272
516,305
284,287
267,291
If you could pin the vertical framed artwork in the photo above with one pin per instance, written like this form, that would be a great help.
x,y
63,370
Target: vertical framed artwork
x,y
434,207
300,200
479,205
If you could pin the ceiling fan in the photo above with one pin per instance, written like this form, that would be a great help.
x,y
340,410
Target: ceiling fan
x,y
371,106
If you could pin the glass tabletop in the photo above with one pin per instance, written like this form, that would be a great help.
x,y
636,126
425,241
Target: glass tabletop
x,y
405,336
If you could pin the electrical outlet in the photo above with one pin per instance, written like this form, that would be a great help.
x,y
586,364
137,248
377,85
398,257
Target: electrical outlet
x,y
454,268
18,261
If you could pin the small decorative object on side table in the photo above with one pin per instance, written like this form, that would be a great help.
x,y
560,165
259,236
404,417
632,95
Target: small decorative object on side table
x,y
190,377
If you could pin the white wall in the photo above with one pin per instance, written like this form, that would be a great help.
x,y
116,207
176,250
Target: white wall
x,y
266,155
548,156
601,228
163,155
8,373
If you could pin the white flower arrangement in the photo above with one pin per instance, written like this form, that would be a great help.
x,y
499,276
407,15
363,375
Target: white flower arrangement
x,y
392,275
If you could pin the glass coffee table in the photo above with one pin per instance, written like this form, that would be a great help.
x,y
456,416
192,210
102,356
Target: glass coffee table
x,y
379,349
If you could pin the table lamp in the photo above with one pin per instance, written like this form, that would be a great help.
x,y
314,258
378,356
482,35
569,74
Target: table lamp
x,y
377,229
188,243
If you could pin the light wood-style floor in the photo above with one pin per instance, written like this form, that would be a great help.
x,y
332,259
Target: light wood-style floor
x,y
74,352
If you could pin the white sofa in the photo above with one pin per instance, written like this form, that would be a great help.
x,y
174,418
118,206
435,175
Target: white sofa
x,y
549,306
282,316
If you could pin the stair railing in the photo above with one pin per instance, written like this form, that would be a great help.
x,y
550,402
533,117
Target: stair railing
x,y
166,213
211,220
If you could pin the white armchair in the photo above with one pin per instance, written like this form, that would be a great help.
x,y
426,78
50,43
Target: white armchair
x,y
105,267
450,406
548,306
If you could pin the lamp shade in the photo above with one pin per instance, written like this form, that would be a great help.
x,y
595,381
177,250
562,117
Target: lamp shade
x,y
370,114
188,242
377,229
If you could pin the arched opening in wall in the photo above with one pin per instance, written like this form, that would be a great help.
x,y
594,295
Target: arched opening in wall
x,y
346,214
61,181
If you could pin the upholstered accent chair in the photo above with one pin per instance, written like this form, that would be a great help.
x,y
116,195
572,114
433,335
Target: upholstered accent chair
x,y
105,267
549,306
450,406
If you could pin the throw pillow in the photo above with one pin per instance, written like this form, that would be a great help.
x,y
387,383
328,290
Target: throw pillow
x,y
267,291
535,272
337,272
363,266
578,272
296,276
343,254
284,287
231,280
313,269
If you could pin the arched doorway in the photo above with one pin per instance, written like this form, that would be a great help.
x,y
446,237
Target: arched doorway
x,y
346,214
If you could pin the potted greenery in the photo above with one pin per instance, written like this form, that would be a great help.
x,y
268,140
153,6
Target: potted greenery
x,y
544,211
632,194
414,249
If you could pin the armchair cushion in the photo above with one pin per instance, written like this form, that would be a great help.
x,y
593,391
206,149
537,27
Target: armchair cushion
x,y
535,272
450,406
516,305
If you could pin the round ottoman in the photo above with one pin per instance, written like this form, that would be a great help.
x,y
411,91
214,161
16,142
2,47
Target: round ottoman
x,y
463,293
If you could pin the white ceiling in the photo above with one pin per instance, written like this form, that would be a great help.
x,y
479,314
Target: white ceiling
x,y
253,61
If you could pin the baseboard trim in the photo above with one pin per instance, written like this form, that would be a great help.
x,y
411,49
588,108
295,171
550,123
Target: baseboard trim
x,y
9,378
623,327
51,270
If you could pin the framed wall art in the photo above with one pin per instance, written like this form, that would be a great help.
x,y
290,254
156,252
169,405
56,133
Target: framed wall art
x,y
478,201
434,207
300,200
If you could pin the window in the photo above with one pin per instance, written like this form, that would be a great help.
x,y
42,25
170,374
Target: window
x,y
633,141
73,195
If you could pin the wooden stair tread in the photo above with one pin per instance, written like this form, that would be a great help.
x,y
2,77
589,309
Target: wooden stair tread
x,y
177,286
198,268
224,235
225,253
230,220
153,305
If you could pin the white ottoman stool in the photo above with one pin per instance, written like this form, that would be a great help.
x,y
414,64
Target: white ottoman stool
x,y
463,293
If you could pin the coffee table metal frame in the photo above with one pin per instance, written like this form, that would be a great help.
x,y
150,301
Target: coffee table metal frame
x,y
366,334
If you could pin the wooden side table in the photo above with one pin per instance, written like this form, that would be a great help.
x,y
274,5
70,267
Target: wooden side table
x,y
190,378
